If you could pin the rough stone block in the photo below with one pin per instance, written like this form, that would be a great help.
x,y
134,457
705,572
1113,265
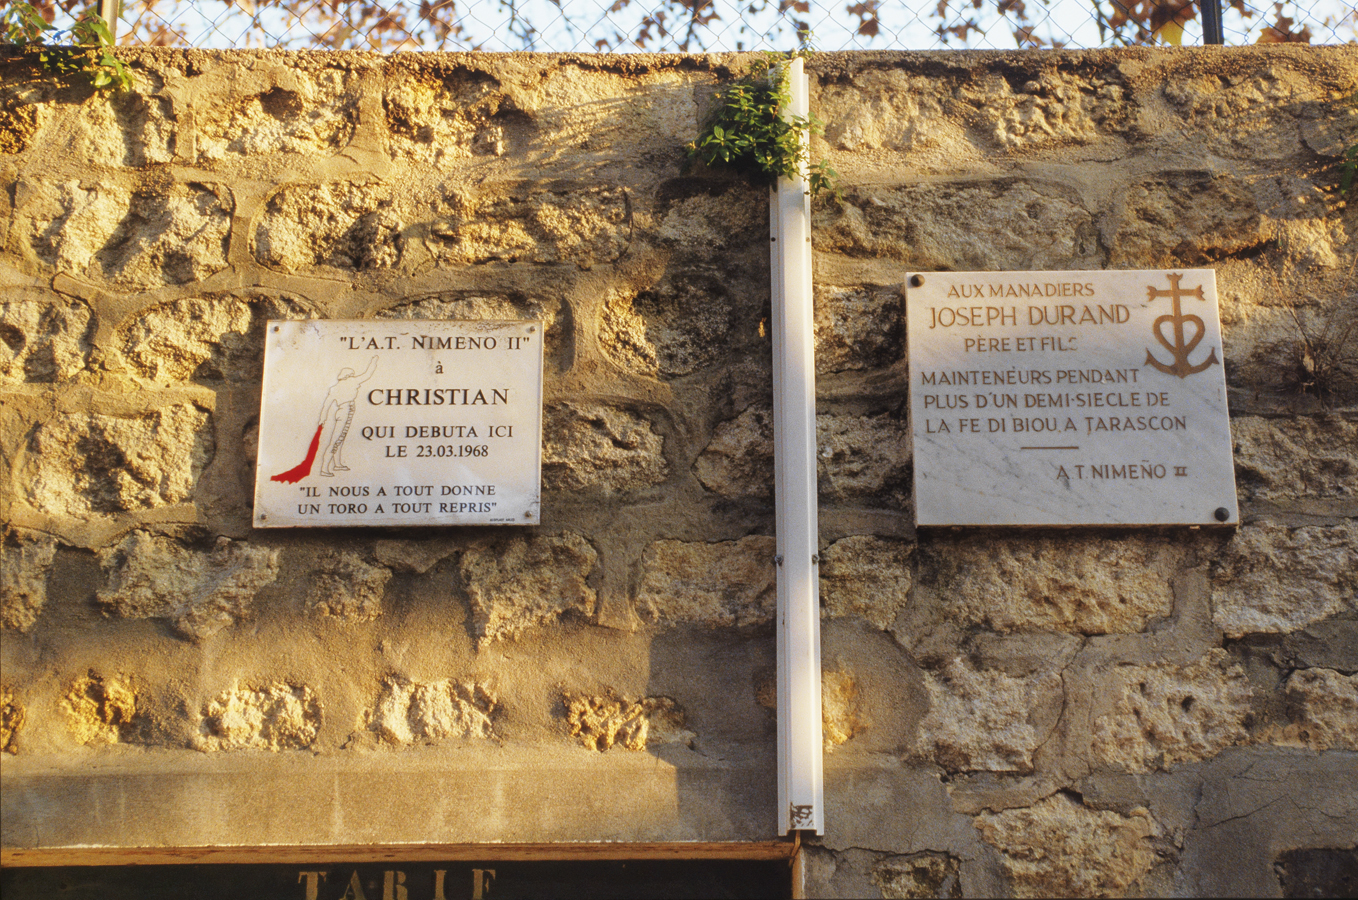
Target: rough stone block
x,y
842,714
607,721
1302,355
197,592
1183,219
710,222
409,712
1290,459
25,562
887,109
1309,242
612,114
863,458
43,339
156,236
586,227
468,305
960,226
866,576
313,116
1061,848
1277,579
919,876
738,461
1332,644
717,585
11,720
100,710
526,582
78,464
686,322
212,338
846,872
1077,585
599,448
130,129
1052,108
277,717
411,556
858,328
1322,711
1159,716
19,122
860,458
625,337
766,689
978,721
458,114
343,225
1250,113
347,587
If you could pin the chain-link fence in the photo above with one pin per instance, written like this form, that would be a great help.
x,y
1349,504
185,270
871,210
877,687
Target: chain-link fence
x,y
697,26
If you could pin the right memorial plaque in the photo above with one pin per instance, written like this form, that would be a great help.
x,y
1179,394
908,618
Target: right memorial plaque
x,y
1069,398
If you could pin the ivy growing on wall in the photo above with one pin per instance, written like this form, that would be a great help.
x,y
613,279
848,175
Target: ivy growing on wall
x,y
1348,171
83,52
748,134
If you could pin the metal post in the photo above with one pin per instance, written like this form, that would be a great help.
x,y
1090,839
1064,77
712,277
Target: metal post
x,y
800,783
1211,22
108,11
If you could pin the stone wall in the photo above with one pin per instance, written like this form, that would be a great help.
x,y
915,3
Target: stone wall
x,y
1096,712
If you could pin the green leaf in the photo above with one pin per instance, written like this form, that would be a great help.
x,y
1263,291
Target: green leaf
x,y
89,54
100,28
747,133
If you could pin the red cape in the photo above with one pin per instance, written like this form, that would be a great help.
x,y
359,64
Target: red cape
x,y
294,475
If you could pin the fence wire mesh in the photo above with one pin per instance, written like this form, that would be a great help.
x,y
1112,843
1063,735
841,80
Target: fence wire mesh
x,y
700,26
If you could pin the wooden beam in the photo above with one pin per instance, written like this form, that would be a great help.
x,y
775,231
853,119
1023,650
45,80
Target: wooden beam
x,y
369,853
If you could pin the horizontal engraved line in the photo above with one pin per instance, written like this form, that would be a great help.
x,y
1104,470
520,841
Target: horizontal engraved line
x,y
1049,448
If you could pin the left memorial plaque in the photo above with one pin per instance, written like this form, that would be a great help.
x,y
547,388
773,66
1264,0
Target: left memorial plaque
x,y
400,423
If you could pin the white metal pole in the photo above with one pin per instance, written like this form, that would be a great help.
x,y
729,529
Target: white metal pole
x,y
800,784
108,9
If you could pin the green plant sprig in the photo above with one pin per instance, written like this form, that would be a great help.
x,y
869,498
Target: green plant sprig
x,y
748,134
1348,165
85,51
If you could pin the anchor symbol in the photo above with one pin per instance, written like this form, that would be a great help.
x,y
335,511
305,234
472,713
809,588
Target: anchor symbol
x,y
1181,366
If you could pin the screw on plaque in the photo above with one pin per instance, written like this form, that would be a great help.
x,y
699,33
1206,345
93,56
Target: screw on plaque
x,y
778,560
917,281
1222,514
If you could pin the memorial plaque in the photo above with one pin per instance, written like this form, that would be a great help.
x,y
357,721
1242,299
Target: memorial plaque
x,y
400,423
1069,398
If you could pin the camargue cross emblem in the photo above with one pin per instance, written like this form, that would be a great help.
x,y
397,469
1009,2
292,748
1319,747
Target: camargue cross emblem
x,y
1181,365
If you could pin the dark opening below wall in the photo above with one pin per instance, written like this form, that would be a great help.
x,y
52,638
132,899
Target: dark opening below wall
x,y
1318,872
489,879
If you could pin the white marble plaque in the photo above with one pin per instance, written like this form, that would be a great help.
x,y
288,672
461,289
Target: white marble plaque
x,y
400,423
1068,398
